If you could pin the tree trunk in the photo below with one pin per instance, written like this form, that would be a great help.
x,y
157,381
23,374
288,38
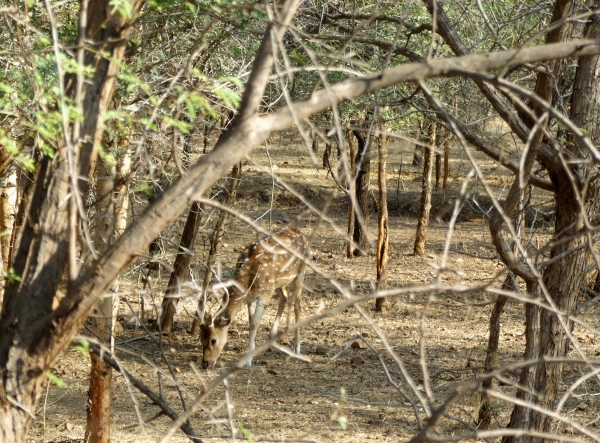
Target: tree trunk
x,y
491,357
31,341
216,238
361,211
417,155
563,278
28,184
426,188
382,222
112,210
8,211
180,268
121,191
438,170
446,164
352,193
102,319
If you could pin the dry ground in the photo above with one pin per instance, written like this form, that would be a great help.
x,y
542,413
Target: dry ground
x,y
283,398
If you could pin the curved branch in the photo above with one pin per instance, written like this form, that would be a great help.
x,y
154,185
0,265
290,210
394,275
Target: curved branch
x,y
237,143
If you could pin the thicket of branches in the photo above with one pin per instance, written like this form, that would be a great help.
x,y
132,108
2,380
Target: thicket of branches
x,y
107,109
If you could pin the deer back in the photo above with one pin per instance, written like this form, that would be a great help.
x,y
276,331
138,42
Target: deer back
x,y
268,263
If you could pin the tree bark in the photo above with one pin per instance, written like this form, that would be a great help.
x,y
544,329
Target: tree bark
x,y
426,189
438,170
491,358
8,211
351,219
382,222
102,319
446,163
30,340
361,211
180,268
564,277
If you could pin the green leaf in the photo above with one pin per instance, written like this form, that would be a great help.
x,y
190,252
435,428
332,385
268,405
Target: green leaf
x,y
5,88
56,380
106,156
247,434
144,188
123,7
11,276
227,96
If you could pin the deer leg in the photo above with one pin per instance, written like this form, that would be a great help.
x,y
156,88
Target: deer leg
x,y
255,317
297,294
283,297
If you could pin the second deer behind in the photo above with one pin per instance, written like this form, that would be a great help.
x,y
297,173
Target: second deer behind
x,y
263,267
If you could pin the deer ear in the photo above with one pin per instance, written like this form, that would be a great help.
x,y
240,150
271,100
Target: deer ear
x,y
223,320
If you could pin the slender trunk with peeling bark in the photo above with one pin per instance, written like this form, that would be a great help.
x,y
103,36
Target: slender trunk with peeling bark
x,y
102,319
351,218
446,163
8,211
112,210
361,186
491,358
27,180
426,189
382,222
438,170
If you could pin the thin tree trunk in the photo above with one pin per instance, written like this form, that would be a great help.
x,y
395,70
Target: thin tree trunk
x,y
8,211
491,357
180,268
446,164
382,222
27,180
351,201
102,319
216,238
438,170
417,155
426,188
121,192
363,177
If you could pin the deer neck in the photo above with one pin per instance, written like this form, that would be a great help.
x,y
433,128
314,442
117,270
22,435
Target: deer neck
x,y
237,299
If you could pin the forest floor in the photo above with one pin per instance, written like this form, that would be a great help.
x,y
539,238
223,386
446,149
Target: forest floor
x,y
336,397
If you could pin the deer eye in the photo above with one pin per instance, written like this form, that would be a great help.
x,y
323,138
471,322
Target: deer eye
x,y
213,341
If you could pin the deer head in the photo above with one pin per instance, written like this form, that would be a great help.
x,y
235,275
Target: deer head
x,y
213,335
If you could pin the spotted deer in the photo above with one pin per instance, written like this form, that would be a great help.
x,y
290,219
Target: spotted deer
x,y
263,267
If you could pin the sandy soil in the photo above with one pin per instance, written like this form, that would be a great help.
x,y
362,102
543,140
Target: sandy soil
x,y
343,393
